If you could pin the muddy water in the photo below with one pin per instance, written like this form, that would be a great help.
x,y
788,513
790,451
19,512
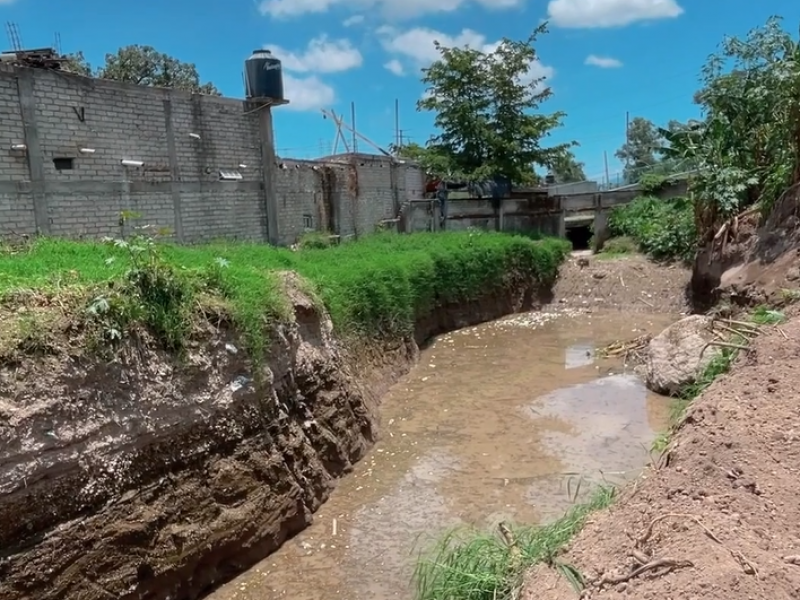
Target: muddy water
x,y
504,421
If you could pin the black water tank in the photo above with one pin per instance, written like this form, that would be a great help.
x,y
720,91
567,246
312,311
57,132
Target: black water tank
x,y
263,76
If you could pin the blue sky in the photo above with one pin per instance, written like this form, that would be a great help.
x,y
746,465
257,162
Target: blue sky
x,y
646,54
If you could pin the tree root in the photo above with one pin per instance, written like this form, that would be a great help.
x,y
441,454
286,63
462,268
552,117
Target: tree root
x,y
748,566
658,563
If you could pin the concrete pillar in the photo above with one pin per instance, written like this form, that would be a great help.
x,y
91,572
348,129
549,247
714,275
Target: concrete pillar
x,y
269,173
174,168
600,229
33,150
562,224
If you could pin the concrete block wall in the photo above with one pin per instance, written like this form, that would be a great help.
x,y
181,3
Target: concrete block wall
x,y
56,115
348,196
184,141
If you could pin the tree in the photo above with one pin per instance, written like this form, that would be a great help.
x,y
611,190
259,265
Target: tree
x,y
77,63
748,146
144,65
486,111
567,169
640,150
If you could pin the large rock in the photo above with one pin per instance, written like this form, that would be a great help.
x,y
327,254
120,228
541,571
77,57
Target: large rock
x,y
678,354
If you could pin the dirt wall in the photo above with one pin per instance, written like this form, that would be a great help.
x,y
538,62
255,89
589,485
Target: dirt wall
x,y
752,262
145,477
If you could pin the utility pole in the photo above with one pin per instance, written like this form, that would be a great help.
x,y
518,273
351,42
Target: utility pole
x,y
397,122
605,161
353,125
627,136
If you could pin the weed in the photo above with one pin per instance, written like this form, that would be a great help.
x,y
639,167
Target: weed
x,y
763,315
474,565
620,245
662,229
314,239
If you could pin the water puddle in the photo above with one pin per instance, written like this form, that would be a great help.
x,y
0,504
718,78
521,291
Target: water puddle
x,y
510,420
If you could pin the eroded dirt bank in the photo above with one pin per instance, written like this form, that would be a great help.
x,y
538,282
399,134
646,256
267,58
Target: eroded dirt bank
x,y
752,260
144,478
719,517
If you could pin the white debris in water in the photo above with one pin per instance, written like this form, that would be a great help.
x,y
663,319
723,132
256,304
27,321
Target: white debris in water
x,y
534,320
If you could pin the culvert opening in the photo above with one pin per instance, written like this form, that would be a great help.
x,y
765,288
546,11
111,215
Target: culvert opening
x,y
580,236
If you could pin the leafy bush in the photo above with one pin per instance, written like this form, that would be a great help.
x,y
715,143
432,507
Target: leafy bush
x,y
663,229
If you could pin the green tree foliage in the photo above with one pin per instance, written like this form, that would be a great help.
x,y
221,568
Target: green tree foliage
x,y
77,63
144,65
640,150
428,158
748,145
486,110
567,169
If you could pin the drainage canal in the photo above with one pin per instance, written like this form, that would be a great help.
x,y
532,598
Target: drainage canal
x,y
497,422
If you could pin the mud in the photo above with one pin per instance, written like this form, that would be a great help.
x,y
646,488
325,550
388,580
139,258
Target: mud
x,y
722,507
148,478
511,420
629,283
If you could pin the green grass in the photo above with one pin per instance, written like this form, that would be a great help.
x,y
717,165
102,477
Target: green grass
x,y
377,286
618,247
474,565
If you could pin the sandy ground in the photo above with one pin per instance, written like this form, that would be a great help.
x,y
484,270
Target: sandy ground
x,y
718,517
629,283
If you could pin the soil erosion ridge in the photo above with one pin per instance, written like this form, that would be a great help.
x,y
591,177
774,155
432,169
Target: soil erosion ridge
x,y
144,478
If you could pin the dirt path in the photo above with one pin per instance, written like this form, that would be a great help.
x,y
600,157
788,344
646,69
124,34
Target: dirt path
x,y
630,283
722,515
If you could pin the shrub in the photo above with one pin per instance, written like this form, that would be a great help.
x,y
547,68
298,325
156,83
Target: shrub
x,y
620,245
662,229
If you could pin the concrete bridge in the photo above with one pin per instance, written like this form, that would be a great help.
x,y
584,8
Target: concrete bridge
x,y
557,211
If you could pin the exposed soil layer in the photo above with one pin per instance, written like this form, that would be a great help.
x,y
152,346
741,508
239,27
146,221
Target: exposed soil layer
x,y
755,264
720,512
629,283
147,478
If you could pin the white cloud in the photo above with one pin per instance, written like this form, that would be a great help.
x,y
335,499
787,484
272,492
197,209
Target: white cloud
x,y
396,67
320,56
587,14
307,93
604,62
397,9
354,20
417,45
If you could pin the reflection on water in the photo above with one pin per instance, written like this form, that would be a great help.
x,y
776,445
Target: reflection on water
x,y
579,355
497,422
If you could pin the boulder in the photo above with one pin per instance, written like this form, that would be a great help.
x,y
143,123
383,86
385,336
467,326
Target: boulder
x,y
678,354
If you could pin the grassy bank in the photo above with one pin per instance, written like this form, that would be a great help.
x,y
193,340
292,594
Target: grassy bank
x,y
377,286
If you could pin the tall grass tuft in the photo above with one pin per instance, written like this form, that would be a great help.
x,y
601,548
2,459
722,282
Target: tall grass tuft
x,y
467,564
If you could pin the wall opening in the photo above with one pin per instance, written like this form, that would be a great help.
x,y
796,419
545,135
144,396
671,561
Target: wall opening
x,y
580,236
64,164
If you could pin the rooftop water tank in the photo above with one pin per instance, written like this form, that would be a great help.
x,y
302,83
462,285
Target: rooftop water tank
x,y
263,76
